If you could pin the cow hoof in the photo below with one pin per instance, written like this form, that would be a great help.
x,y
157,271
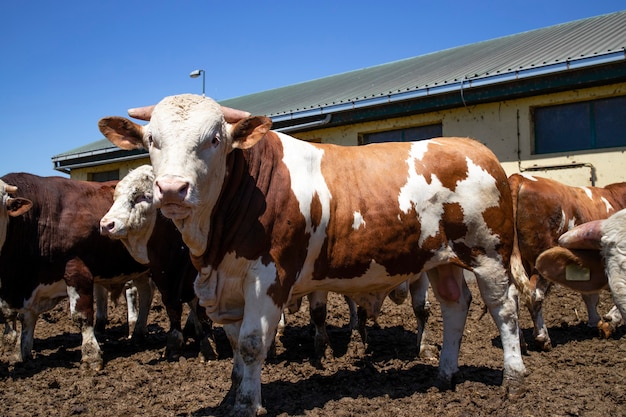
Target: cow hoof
x,y
443,384
543,345
93,365
429,352
605,329
207,350
514,387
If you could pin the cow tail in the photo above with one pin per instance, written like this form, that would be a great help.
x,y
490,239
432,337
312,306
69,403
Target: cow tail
x,y
518,272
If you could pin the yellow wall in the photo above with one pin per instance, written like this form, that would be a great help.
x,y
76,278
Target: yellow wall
x,y
505,127
501,126
123,167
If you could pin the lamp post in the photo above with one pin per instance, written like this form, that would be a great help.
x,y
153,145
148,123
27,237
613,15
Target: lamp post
x,y
196,74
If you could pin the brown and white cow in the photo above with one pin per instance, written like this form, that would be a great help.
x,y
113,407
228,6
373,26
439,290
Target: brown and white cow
x,y
592,257
544,210
268,218
54,250
153,240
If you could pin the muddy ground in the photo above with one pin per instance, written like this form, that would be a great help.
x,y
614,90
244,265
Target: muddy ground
x,y
582,375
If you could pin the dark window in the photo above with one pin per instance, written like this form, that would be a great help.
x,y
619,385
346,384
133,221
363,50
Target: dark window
x,y
104,176
403,135
577,126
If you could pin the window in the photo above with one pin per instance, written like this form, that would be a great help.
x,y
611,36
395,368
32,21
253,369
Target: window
x,y
577,126
403,135
104,176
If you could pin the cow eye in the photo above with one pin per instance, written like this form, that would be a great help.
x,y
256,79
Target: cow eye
x,y
151,142
216,140
142,198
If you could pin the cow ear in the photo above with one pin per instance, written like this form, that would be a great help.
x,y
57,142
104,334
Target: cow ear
x,y
122,132
247,132
18,206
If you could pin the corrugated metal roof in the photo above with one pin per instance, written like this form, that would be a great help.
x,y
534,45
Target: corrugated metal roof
x,y
537,50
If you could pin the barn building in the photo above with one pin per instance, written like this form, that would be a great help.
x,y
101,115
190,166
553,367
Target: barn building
x,y
550,101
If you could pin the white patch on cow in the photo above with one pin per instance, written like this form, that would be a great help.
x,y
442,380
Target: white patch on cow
x,y
73,296
45,296
224,293
428,199
609,207
572,223
304,162
588,192
528,176
358,221
376,279
561,228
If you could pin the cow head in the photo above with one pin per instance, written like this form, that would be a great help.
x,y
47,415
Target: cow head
x,y
132,216
188,139
10,207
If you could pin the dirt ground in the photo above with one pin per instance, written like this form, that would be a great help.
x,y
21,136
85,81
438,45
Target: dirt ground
x,y
582,375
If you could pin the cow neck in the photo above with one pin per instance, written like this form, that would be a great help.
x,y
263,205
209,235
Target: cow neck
x,y
236,224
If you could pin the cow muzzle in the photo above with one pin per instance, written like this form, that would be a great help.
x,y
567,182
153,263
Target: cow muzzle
x,y
170,195
111,228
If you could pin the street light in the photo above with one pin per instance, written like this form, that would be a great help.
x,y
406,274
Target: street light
x,y
196,74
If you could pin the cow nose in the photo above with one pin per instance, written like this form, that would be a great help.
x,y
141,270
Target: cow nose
x,y
106,226
171,190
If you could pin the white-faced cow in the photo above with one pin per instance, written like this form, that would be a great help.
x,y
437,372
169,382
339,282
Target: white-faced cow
x,y
592,257
268,217
55,249
153,240
544,210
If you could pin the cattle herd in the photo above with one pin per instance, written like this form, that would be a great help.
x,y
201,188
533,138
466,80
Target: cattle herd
x,y
240,222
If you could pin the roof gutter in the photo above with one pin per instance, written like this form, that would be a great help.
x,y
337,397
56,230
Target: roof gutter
x,y
461,86
67,168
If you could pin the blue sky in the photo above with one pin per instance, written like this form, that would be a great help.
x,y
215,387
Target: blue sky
x,y
66,64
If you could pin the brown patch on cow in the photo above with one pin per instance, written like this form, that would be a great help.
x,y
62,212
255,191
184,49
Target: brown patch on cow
x,y
316,211
455,227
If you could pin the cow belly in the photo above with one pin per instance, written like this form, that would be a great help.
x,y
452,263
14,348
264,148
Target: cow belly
x,y
117,281
45,297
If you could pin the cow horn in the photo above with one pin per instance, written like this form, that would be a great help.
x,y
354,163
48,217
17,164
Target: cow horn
x,y
10,189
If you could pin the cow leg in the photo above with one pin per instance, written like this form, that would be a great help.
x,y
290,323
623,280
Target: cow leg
x,y
145,292
28,320
175,336
101,297
260,319
352,307
131,295
9,336
318,310
452,292
591,302
80,291
617,285
202,327
540,331
501,299
421,307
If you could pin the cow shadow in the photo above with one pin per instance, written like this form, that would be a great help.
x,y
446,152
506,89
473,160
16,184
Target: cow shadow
x,y
393,342
566,333
298,398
